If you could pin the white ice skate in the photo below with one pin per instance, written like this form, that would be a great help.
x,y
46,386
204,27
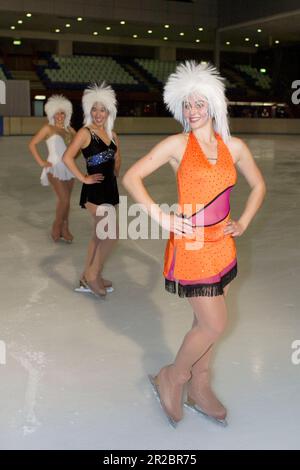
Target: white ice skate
x,y
84,288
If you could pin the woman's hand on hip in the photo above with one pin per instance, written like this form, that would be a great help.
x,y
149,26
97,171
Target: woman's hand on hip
x,y
46,164
92,179
235,229
177,224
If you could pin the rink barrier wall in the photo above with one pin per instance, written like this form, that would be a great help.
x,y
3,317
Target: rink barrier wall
x,y
161,125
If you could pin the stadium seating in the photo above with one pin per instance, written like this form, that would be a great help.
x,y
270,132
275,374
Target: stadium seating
x,y
261,80
80,70
160,70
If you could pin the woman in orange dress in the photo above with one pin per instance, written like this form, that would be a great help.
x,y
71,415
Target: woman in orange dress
x,y
200,257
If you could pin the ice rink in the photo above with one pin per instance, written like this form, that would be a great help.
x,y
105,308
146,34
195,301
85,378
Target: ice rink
x,y
76,366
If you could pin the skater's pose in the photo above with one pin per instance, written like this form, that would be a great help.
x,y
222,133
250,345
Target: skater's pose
x,y
100,148
57,134
200,257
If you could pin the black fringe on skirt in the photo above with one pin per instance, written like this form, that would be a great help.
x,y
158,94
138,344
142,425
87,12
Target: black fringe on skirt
x,y
201,290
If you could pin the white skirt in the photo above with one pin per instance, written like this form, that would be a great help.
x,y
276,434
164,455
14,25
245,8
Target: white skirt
x,y
59,171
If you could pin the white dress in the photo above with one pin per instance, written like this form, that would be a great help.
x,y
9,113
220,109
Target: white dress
x,y
56,148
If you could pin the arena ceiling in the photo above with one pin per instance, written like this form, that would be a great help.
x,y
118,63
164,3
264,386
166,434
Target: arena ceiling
x,y
66,26
280,29
284,28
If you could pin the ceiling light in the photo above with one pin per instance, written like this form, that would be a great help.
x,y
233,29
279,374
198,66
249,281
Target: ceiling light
x,y
79,18
17,42
20,21
165,38
122,22
276,42
29,15
150,31
57,30
197,40
40,97
108,28
181,34
227,43
135,36
12,27
259,30
200,29
95,33
263,70
256,45
247,39
68,25
167,26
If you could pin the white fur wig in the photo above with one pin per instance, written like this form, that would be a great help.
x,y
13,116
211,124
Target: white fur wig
x,y
192,79
104,95
58,103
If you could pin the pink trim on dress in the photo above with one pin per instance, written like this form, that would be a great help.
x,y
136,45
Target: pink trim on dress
x,y
207,280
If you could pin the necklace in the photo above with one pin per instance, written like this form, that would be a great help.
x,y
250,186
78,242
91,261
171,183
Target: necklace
x,y
207,157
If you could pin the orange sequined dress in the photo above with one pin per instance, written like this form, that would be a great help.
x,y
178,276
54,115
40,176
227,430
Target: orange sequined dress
x,y
204,264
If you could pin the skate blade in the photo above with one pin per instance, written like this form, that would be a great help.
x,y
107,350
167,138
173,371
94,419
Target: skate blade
x,y
196,409
66,241
171,421
83,289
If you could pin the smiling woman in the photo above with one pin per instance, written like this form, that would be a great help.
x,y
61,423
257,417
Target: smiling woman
x,y
195,95
57,134
100,148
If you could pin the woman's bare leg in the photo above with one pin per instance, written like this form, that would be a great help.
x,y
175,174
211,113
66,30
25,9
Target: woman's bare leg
x,y
89,257
66,234
99,250
62,205
203,363
103,251
211,316
92,269
90,254
199,388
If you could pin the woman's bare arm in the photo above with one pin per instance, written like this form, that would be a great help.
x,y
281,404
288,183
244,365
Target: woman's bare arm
x,y
41,135
161,154
117,156
247,166
80,140
73,134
